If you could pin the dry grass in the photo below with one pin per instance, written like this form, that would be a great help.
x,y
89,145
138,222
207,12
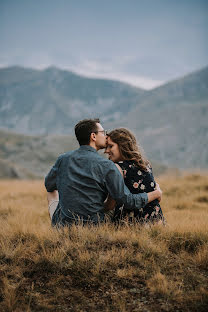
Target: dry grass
x,y
129,268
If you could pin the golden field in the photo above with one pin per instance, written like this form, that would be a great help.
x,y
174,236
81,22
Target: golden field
x,y
128,268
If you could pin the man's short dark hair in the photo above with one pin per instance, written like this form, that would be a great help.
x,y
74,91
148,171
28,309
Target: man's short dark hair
x,y
84,128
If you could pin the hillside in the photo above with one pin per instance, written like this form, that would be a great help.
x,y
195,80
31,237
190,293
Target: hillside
x,y
51,101
171,122
10,170
23,156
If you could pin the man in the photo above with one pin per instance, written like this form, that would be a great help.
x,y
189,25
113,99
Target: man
x,y
80,180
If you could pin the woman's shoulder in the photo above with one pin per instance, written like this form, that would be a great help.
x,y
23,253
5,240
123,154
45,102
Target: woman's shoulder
x,y
128,166
133,166
125,163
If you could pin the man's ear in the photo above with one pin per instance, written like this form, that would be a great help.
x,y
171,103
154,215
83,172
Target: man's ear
x,y
93,136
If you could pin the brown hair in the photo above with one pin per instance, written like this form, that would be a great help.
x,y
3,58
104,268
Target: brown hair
x,y
83,130
128,147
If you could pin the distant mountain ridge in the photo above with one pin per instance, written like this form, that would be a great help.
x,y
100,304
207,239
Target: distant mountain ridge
x,y
170,121
53,100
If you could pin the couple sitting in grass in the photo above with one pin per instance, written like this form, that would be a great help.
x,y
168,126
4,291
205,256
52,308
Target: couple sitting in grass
x,y
83,186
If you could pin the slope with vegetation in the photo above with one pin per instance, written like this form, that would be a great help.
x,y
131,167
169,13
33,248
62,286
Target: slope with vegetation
x,y
23,156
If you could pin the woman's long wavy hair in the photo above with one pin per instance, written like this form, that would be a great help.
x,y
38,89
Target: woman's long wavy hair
x,y
128,147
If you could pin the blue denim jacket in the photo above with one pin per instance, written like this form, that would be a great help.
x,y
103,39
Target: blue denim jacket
x,y
83,179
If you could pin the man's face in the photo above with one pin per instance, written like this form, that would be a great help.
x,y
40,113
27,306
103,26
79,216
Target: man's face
x,y
100,137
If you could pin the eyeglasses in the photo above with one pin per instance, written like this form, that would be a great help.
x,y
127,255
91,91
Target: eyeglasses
x,y
103,131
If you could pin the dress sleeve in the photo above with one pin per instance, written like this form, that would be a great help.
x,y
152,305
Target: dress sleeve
x,y
50,179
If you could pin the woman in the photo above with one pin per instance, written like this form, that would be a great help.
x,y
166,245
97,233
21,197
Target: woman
x,y
123,150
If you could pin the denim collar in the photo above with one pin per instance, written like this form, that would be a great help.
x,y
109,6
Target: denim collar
x,y
88,148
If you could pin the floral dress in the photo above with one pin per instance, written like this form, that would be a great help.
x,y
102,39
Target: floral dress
x,y
139,181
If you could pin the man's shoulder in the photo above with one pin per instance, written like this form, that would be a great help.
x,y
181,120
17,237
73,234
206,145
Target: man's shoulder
x,y
106,163
65,155
103,159
96,158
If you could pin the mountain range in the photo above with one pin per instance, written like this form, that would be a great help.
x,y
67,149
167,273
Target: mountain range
x,y
171,121
53,100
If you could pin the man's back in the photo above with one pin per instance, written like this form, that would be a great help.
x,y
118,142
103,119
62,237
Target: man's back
x,y
79,178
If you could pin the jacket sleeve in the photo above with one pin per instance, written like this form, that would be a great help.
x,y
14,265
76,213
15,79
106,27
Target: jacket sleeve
x,y
117,189
50,179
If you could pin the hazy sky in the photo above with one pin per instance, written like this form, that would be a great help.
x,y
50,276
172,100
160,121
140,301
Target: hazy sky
x,y
144,42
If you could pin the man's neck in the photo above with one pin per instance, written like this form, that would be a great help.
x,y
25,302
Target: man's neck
x,y
92,144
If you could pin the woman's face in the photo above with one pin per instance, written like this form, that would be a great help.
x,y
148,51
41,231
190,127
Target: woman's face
x,y
112,150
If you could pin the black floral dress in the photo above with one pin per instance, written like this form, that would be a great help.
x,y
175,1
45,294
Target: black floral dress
x,y
139,181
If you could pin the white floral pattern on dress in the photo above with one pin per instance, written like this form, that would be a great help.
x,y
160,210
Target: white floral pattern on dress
x,y
142,187
152,184
139,172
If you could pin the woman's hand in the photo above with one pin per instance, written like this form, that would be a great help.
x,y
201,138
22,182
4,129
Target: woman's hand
x,y
109,203
159,192
156,194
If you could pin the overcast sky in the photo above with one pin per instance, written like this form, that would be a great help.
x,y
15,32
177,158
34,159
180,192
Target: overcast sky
x,y
143,42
